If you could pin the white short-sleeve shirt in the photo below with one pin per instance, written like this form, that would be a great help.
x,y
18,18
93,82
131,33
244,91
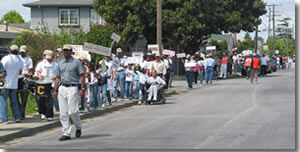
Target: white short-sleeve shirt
x,y
47,69
12,64
27,64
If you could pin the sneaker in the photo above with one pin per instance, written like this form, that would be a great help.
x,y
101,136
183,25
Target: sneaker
x,y
140,102
78,133
103,105
62,138
18,120
81,111
43,117
50,119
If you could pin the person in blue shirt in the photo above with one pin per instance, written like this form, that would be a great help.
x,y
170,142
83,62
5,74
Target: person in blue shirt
x,y
209,69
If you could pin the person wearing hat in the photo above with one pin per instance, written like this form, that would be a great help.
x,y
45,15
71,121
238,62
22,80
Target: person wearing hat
x,y
189,70
118,68
13,66
46,73
149,57
59,54
159,66
209,69
68,72
26,73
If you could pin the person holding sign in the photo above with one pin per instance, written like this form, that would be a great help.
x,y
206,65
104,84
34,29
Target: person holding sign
x,y
118,73
189,64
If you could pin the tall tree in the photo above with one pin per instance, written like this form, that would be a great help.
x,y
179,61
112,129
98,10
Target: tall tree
x,y
247,36
12,17
185,22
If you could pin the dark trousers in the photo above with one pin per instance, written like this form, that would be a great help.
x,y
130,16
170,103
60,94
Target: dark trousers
x,y
23,101
196,77
108,96
263,70
189,78
45,106
167,78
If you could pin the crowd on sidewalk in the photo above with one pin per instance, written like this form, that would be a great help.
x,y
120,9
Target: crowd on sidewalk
x,y
113,79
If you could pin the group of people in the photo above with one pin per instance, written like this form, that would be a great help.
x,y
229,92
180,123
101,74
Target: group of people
x,y
220,66
69,85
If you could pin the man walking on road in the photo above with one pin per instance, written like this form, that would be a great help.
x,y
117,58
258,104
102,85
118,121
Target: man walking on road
x,y
69,71
254,68
263,63
248,66
209,69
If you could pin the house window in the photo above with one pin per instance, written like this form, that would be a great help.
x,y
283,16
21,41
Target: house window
x,y
69,17
96,18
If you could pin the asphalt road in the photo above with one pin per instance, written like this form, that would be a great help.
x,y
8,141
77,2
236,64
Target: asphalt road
x,y
230,114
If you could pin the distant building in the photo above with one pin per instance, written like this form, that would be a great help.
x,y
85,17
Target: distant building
x,y
57,14
221,37
8,32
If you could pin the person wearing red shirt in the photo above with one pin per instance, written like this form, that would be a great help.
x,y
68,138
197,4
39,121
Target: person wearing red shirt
x,y
254,68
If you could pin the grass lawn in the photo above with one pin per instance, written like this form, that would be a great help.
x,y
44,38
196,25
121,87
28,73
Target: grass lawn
x,y
30,107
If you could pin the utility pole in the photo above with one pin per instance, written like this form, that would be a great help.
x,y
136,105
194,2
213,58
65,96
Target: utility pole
x,y
159,25
256,39
269,27
274,30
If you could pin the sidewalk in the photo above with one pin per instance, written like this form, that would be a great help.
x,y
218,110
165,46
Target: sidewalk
x,y
33,124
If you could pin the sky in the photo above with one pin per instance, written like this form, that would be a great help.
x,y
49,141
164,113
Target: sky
x,y
287,9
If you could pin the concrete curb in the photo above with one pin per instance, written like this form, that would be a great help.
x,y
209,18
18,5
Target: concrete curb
x,y
36,130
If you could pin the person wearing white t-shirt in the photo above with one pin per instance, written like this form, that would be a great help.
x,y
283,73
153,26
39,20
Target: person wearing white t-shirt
x,y
129,77
93,83
143,77
46,71
13,66
23,88
108,63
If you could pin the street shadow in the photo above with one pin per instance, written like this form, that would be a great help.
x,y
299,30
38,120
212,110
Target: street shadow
x,y
94,136
9,129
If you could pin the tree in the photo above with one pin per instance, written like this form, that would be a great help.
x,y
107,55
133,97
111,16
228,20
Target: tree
x,y
248,44
12,17
283,29
220,46
185,22
100,35
247,36
281,46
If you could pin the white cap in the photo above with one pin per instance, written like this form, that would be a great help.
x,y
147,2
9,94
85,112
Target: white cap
x,y
119,50
23,48
49,54
157,55
59,49
14,48
188,56
67,47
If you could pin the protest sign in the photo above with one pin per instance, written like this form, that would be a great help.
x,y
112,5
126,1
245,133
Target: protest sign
x,y
116,37
189,65
181,55
101,50
169,52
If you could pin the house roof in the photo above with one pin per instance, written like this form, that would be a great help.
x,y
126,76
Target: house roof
x,y
14,28
219,37
59,3
8,35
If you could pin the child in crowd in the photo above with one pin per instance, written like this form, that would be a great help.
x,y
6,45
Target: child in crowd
x,y
136,80
143,77
156,83
93,83
129,78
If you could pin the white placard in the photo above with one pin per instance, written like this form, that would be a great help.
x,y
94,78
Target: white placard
x,y
116,37
169,52
189,65
154,48
101,50
76,48
139,54
181,55
211,48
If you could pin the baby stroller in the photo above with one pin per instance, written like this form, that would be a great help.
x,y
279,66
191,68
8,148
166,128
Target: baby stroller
x,y
160,96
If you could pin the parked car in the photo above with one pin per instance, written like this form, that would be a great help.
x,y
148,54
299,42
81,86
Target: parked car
x,y
3,51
